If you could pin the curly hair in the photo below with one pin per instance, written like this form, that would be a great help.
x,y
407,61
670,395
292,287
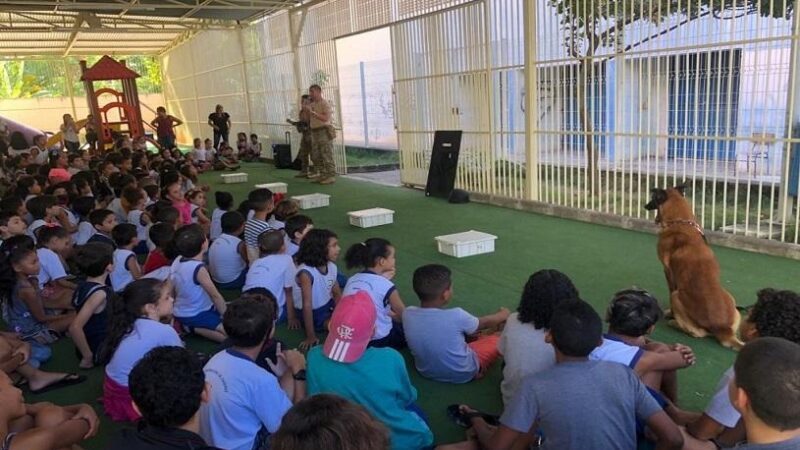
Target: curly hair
x,y
314,248
777,314
541,294
167,385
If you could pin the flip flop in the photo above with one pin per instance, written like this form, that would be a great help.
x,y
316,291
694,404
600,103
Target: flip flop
x,y
69,379
462,419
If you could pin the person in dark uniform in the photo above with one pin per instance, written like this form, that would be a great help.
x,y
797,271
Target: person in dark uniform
x,y
220,121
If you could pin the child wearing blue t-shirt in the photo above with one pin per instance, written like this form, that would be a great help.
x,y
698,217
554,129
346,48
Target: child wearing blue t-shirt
x,y
275,272
296,229
376,257
437,336
316,291
198,303
90,327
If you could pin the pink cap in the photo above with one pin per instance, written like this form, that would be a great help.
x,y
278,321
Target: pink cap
x,y
58,175
351,328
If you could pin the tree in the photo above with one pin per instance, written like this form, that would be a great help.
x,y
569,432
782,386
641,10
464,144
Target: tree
x,y
590,25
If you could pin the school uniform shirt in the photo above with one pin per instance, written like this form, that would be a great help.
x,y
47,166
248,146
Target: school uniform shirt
x,y
436,338
100,237
146,335
73,220
789,444
116,207
146,437
276,224
85,231
121,276
136,217
216,223
200,154
614,350
35,225
155,260
193,212
582,405
379,289
524,353
190,297
720,407
321,285
292,248
96,328
51,267
253,229
379,382
246,398
224,261
273,272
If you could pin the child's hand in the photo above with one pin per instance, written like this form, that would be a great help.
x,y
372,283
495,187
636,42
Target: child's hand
x,y
308,343
503,313
279,367
87,362
389,275
294,324
295,360
87,413
24,350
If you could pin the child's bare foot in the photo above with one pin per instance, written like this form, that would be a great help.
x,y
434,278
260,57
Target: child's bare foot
x,y
42,381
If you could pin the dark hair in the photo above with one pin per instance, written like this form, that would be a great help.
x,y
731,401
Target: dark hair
x,y
123,234
224,200
46,234
543,291
296,224
19,253
151,190
258,199
132,195
125,311
285,209
11,204
231,222
430,281
315,86
83,206
632,312
270,242
37,206
161,108
161,234
777,314
366,254
98,216
168,214
314,248
248,322
189,240
5,216
24,185
93,258
768,370
576,329
186,171
7,275
330,422
18,141
262,295
122,182
167,385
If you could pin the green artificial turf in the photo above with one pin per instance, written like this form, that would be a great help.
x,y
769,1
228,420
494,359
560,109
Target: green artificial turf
x,y
599,259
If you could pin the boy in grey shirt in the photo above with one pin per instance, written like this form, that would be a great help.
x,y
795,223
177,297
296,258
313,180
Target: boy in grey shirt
x,y
579,404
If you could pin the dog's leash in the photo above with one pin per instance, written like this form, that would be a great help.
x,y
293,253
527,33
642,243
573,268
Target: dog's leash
x,y
691,223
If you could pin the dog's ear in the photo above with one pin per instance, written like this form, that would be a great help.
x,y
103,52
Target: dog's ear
x,y
682,188
657,197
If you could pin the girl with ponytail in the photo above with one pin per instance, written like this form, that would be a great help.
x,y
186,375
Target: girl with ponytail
x,y
137,326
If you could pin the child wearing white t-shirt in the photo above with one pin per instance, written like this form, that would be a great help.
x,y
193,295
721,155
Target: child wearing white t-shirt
x,y
224,202
274,271
56,287
316,291
296,229
126,266
135,200
227,256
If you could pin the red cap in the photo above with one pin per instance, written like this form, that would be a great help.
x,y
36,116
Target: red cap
x,y
351,328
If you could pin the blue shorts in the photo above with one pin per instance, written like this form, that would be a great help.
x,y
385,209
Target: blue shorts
x,y
207,319
235,284
40,354
321,314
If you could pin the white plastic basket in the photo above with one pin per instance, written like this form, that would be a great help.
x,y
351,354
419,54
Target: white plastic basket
x,y
372,217
468,243
312,201
276,188
229,178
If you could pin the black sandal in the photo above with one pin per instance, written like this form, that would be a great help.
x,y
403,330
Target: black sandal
x,y
463,419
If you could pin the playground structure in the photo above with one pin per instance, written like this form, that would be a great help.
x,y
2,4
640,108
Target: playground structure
x,y
125,104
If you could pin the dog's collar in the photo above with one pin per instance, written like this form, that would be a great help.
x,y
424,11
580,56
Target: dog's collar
x,y
691,223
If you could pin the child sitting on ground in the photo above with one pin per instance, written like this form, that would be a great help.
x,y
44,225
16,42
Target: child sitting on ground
x,y
103,221
55,244
632,316
375,378
437,336
136,328
167,387
262,205
198,303
283,210
227,255
296,229
224,204
126,266
522,343
172,193
83,207
43,211
315,291
275,272
376,258
91,301
161,235
11,224
248,402
134,203
197,200
41,426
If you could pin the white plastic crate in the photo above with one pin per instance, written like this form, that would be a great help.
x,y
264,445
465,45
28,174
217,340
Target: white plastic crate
x,y
312,201
276,188
229,178
372,217
468,243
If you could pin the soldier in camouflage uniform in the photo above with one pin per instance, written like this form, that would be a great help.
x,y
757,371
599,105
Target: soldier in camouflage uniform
x,y
322,135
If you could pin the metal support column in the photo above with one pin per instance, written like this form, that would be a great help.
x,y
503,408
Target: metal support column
x,y
531,102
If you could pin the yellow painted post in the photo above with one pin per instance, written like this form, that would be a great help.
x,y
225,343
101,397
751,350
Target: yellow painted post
x,y
531,102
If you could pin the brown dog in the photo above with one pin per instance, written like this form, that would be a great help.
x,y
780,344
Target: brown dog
x,y
700,305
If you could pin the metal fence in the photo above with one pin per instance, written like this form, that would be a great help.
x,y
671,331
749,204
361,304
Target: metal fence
x,y
584,104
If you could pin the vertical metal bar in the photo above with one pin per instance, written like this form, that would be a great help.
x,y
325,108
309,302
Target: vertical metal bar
x,y
532,182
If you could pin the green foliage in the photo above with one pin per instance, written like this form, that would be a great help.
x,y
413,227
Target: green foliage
x,y
43,78
320,77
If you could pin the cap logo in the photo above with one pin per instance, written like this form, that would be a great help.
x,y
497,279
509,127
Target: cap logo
x,y
345,332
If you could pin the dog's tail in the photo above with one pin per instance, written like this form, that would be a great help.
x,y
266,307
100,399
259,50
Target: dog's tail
x,y
728,337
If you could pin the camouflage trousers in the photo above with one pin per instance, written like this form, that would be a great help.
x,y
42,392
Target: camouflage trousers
x,y
305,151
322,152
